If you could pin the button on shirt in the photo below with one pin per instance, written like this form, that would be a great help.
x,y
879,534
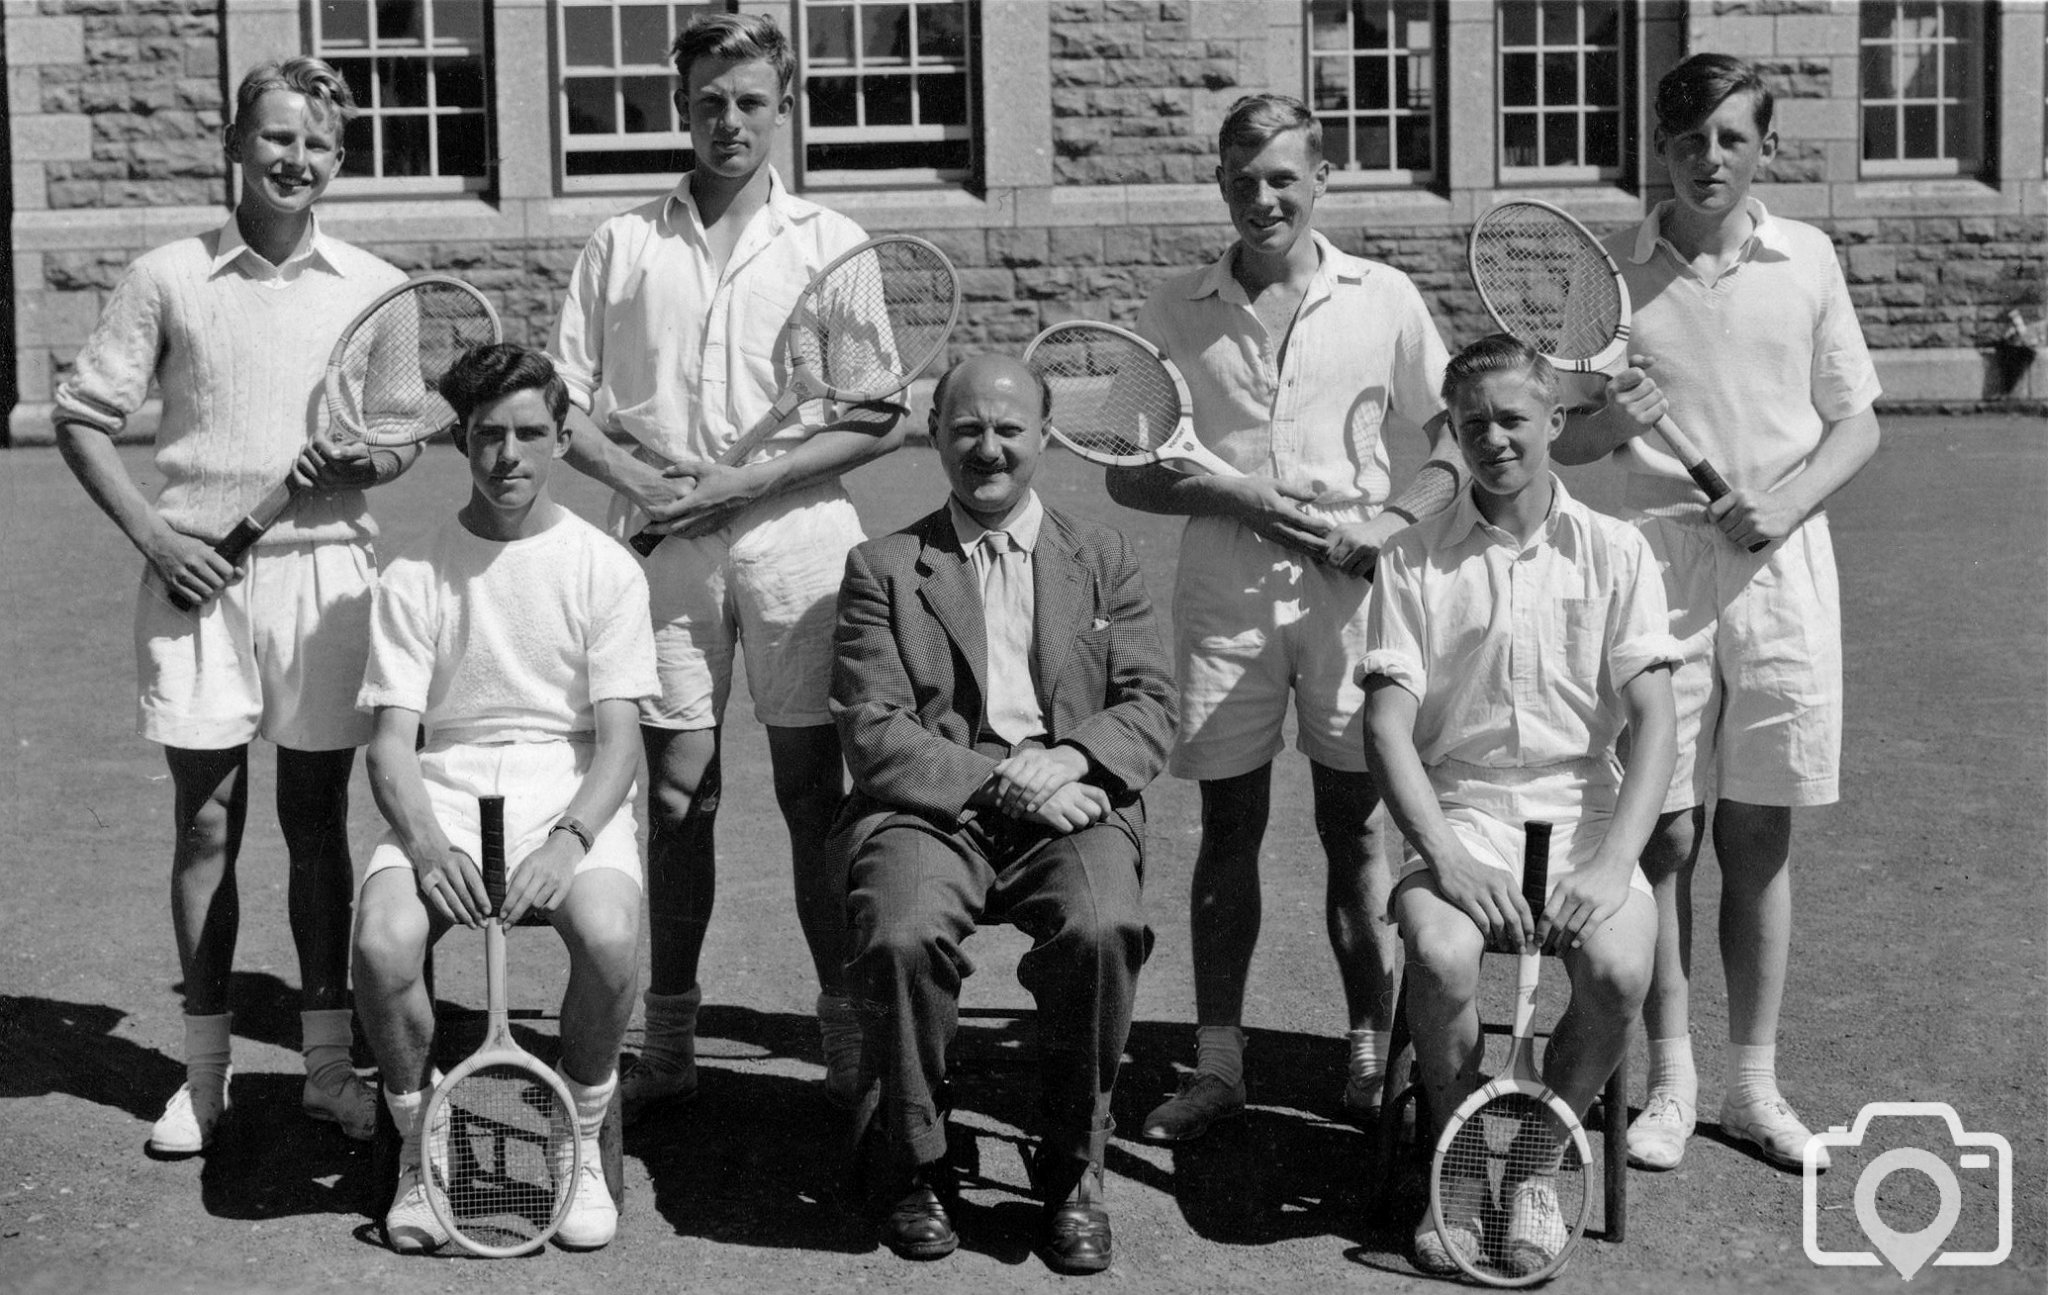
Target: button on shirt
x,y
1363,343
656,340
1517,654
1755,363
1004,570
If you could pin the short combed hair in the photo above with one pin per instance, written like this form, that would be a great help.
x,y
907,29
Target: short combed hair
x,y
1044,389
311,77
1254,120
484,375
1498,353
1688,93
734,38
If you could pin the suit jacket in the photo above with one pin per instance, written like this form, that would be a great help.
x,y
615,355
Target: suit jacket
x,y
909,678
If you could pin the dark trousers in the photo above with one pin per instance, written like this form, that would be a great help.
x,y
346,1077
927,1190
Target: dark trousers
x,y
915,894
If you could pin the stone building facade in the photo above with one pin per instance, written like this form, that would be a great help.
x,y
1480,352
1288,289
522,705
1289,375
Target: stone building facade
x,y
1061,151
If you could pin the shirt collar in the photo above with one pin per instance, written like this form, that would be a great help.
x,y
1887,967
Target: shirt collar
x,y
313,246
681,206
1023,531
1216,280
1465,516
1765,232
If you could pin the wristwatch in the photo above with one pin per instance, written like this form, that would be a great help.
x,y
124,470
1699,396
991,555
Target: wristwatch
x,y
575,828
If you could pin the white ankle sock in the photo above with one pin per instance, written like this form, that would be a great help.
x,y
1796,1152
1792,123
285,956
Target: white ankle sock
x,y
207,1052
1368,1054
1752,1072
405,1111
1672,1071
1219,1051
325,1038
592,1101
671,1036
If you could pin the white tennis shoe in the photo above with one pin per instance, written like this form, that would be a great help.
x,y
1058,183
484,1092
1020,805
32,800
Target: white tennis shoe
x,y
1656,1138
1773,1127
593,1217
409,1225
1536,1230
186,1127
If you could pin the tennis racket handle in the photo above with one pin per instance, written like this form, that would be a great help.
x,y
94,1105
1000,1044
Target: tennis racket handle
x,y
491,846
647,541
1535,865
259,519
1703,474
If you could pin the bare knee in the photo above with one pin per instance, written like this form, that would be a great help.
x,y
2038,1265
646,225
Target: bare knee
x,y
390,946
1443,955
1674,844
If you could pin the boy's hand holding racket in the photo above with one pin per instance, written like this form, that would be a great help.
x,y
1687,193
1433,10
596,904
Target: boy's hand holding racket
x,y
542,878
452,885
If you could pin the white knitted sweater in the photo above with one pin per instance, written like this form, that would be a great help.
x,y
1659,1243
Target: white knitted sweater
x,y
239,356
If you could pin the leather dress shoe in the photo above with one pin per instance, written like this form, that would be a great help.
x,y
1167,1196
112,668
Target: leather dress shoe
x,y
917,1226
1077,1239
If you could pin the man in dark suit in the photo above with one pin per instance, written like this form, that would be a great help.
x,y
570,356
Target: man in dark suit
x,y
1002,695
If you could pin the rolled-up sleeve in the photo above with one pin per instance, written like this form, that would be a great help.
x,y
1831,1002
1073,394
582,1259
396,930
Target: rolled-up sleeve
x,y
111,379
1640,623
1395,623
579,334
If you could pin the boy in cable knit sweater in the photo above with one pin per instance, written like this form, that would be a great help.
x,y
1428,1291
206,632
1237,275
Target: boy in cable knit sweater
x,y
235,326
517,637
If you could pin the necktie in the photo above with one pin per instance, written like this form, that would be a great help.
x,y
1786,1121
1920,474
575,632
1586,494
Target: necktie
x,y
1013,713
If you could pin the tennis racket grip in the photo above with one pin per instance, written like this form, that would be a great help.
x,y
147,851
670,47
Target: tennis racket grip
x,y
491,848
259,519
1535,865
1703,473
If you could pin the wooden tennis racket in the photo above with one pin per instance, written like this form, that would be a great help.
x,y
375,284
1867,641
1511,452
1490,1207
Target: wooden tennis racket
x,y
502,1152
1116,400
1507,1186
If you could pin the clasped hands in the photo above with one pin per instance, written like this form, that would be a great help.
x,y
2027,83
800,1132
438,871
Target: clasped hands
x,y
1042,785
1747,516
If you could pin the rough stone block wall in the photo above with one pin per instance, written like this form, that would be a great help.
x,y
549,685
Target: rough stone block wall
x,y
149,82
1139,86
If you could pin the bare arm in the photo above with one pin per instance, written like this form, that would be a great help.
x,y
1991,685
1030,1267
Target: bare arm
x,y
187,565
1618,410
860,435
1356,547
1489,896
448,878
1261,503
1747,515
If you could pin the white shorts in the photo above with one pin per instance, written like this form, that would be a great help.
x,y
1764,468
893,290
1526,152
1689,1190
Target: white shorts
x,y
279,654
537,780
1253,623
1488,809
769,583
1759,693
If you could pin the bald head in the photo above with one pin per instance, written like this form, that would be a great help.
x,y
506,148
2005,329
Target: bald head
x,y
988,422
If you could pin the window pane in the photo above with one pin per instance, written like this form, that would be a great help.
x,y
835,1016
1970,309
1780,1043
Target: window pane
x,y
1518,22
591,110
1518,79
645,100
888,100
359,140
1414,139
1960,142
459,22
402,82
1603,23
356,72
1876,20
942,33
1877,72
885,33
1603,139
1560,22
400,22
587,37
1959,74
344,22
1372,82
462,144
1337,141
459,82
1369,26
405,147
1560,139
1332,89
643,34
1417,84
1922,130
832,101
1880,140
945,155
1375,144
1917,69
942,99
1326,26
1918,20
1560,79
830,37
1603,80
1518,139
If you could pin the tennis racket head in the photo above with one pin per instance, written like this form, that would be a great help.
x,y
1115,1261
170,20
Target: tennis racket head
x,y
874,319
1508,1184
384,375
1115,399
500,1151
1546,280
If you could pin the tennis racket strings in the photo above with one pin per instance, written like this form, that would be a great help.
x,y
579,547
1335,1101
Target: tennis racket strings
x,y
1512,1175
385,387
1545,282
879,320
1109,392
498,1152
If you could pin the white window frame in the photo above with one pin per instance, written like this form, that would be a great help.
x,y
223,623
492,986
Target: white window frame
x,y
674,142
357,178
915,133
1581,172
1972,45
1393,113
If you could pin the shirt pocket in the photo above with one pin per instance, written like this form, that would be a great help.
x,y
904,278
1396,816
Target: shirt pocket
x,y
1583,623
